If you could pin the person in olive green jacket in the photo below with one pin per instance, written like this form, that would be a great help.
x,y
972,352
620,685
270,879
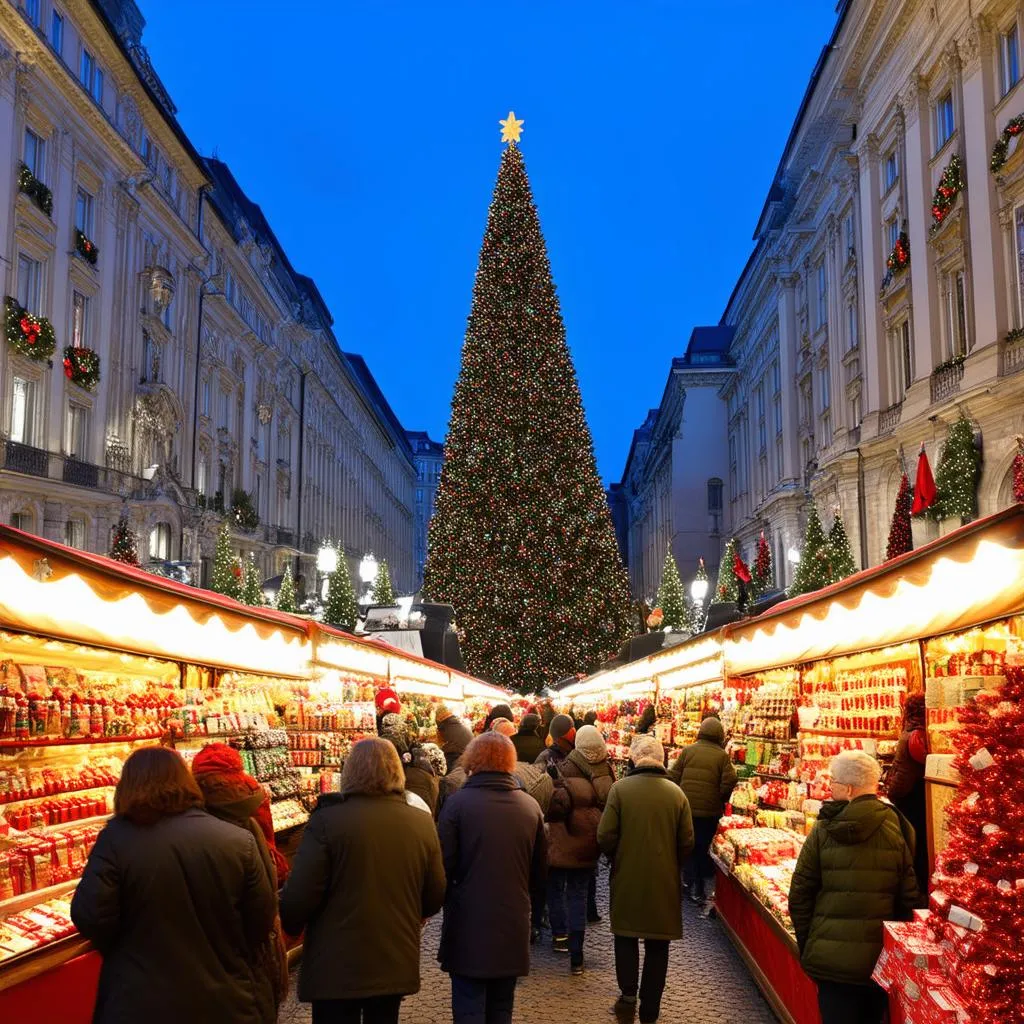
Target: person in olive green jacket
x,y
855,871
705,773
647,832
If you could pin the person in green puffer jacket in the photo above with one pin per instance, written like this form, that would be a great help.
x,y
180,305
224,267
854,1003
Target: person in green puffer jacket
x,y
855,871
706,775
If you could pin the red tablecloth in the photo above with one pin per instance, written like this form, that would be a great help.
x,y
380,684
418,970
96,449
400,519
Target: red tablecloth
x,y
63,995
764,943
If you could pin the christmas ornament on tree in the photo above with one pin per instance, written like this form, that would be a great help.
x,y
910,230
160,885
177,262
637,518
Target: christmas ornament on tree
x,y
900,536
252,584
383,591
1018,469
814,570
286,595
341,608
763,574
924,485
522,542
124,545
981,871
227,571
956,479
671,598
728,587
841,555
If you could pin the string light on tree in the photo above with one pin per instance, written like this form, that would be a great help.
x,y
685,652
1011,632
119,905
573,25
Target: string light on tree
x,y
900,536
763,575
124,545
956,478
227,572
522,542
841,555
286,595
671,598
383,591
252,583
341,608
814,570
728,588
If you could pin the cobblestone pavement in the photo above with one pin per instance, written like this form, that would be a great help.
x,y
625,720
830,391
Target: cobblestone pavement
x,y
707,982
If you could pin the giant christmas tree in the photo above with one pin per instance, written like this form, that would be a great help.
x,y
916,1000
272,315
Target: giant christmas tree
x,y
521,542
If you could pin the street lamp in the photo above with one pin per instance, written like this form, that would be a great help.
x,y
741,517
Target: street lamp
x,y
699,590
368,568
327,559
793,555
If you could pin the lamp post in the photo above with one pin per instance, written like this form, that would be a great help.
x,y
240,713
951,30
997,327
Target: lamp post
x,y
699,591
367,574
326,565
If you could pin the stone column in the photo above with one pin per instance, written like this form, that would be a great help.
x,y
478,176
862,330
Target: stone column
x,y
788,344
870,273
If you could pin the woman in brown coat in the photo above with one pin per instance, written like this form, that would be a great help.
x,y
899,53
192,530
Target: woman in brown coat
x,y
582,785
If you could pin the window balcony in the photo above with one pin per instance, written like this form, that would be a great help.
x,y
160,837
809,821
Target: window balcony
x,y
23,458
81,474
1013,353
888,418
945,380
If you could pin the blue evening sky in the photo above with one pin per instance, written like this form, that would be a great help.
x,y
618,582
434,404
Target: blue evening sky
x,y
368,132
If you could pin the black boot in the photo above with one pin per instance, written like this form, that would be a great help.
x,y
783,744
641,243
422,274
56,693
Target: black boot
x,y
576,952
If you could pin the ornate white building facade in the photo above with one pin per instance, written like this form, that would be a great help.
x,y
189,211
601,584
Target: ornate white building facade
x,y
843,368
429,457
218,369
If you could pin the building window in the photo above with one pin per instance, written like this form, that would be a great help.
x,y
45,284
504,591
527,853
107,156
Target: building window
x,y
33,11
824,388
715,489
74,533
848,236
855,412
23,410
904,367
779,461
733,467
206,397
851,326
30,283
945,123
34,154
225,410
284,446
83,212
822,309
57,33
778,413
892,234
1009,59
202,475
167,317
91,76
22,521
956,315
892,170
76,431
79,320
160,542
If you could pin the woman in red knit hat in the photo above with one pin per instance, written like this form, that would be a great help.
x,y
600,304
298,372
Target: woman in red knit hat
x,y
233,795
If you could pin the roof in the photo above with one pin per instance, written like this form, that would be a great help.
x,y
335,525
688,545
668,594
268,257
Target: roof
x,y
422,443
708,346
375,397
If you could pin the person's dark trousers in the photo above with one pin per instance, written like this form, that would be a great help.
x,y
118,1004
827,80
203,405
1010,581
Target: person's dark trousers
x,y
699,868
567,903
380,1010
482,1000
592,914
538,904
843,1003
627,972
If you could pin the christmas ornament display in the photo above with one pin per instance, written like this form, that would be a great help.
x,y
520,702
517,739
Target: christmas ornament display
x,y
86,248
35,190
521,543
30,335
82,367
899,259
951,184
1011,130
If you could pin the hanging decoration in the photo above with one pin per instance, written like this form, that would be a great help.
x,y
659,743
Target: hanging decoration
x,y
35,190
1018,469
1001,149
924,485
243,512
85,248
30,335
899,258
951,184
82,367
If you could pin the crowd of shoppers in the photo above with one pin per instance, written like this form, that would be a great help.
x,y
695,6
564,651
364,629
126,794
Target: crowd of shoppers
x,y
501,833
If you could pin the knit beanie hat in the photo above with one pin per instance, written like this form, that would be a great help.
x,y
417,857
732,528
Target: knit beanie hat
x,y
712,729
646,752
442,714
562,728
217,757
590,744
387,701
435,755
392,722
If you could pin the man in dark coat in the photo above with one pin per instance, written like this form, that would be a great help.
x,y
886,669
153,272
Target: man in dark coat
x,y
647,832
855,871
495,854
453,735
561,740
706,775
529,746
367,873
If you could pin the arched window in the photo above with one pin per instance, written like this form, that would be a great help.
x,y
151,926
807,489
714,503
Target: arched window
x,y
74,533
715,489
160,542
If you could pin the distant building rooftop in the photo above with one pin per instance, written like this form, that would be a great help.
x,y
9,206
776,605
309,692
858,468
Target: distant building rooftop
x,y
422,443
708,346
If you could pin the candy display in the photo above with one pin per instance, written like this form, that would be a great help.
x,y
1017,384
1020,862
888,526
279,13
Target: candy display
x,y
37,926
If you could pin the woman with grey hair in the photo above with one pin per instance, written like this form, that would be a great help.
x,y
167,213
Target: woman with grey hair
x,y
855,871
362,896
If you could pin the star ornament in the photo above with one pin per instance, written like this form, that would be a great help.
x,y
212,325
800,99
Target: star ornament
x,y
511,129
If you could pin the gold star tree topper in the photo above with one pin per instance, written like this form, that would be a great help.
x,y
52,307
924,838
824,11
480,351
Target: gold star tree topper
x,y
511,129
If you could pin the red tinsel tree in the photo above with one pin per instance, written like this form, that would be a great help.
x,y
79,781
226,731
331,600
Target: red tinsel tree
x,y
901,539
764,578
1018,470
982,867
124,545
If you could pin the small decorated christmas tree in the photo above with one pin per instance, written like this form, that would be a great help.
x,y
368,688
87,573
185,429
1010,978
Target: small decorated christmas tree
x,y
124,545
900,536
728,588
227,572
252,584
341,608
956,478
979,872
286,595
841,554
1018,469
814,570
763,581
383,592
671,598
